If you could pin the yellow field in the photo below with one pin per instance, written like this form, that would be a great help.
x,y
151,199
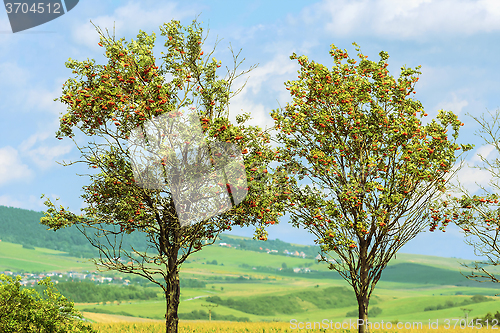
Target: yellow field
x,y
117,324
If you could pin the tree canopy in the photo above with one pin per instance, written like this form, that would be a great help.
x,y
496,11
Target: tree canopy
x,y
477,215
364,166
25,310
169,163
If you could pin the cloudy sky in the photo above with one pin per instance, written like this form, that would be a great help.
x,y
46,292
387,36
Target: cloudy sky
x,y
455,41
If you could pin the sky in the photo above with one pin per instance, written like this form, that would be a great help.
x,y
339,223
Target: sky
x,y
455,41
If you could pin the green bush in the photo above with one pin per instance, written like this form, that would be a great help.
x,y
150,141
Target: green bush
x,y
479,298
450,304
25,310
192,283
203,315
98,310
329,298
490,318
375,311
372,312
353,313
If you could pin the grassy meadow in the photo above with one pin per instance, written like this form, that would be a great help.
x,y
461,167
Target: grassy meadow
x,y
124,324
410,285
16,258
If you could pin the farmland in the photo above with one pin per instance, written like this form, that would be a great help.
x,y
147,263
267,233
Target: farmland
x,y
250,286
111,324
15,257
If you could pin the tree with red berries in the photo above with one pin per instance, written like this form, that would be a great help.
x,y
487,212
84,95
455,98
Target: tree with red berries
x,y
477,215
371,166
189,178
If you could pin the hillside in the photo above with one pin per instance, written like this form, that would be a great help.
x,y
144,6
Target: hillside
x,y
241,283
244,277
23,227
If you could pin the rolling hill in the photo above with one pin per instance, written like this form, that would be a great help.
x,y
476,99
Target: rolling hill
x,y
23,227
242,276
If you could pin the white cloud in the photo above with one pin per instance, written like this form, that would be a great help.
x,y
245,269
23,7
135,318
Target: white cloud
x,y
272,74
259,112
472,178
270,77
43,156
455,105
86,33
484,151
129,19
32,203
7,200
42,100
11,167
405,19
437,76
245,34
30,142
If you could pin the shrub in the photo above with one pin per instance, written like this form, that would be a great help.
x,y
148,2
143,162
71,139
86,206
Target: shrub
x,y
353,313
489,317
479,298
25,310
375,311
449,304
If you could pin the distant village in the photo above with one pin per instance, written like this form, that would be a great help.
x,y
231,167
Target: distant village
x,y
286,252
296,253
31,279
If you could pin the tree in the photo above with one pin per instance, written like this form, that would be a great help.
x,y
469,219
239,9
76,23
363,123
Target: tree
x,y
356,136
25,310
188,173
477,215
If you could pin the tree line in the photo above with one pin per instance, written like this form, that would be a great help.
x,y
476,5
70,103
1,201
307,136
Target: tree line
x,y
89,292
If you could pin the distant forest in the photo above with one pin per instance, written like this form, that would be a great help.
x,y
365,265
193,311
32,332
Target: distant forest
x,y
86,292
23,226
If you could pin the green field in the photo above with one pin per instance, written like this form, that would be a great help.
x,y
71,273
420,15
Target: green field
x,y
409,284
15,258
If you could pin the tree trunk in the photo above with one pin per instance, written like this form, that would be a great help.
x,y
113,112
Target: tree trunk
x,y
362,294
172,295
363,314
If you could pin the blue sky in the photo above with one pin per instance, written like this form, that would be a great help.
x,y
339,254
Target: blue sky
x,y
455,41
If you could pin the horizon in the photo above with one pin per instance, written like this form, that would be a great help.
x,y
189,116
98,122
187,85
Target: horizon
x,y
309,241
